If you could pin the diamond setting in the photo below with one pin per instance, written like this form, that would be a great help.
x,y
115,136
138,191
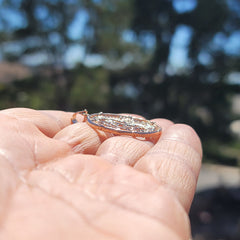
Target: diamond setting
x,y
121,124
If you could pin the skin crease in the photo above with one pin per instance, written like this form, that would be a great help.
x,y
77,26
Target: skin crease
x,y
62,181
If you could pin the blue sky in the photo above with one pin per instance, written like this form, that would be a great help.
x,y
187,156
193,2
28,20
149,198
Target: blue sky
x,y
178,52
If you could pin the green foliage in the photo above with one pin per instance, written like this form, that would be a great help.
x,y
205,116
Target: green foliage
x,y
135,40
200,95
28,93
90,89
107,21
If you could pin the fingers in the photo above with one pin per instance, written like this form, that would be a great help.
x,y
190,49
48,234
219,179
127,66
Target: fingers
x,y
163,123
24,146
175,161
120,149
81,138
123,150
127,150
48,122
121,186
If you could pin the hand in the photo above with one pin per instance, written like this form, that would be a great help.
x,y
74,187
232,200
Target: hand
x,y
62,181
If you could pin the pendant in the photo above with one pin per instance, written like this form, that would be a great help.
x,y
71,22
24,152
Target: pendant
x,y
120,124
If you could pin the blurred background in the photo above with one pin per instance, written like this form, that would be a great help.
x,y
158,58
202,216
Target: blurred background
x,y
176,59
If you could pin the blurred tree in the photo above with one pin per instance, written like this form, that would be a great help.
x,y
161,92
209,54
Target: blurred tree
x,y
90,80
199,91
42,32
138,43
39,30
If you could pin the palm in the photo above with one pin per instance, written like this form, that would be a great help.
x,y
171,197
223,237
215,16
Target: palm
x,y
62,181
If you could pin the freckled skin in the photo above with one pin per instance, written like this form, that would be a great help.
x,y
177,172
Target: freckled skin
x,y
67,181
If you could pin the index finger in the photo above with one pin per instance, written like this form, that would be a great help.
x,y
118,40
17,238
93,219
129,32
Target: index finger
x,y
48,122
175,161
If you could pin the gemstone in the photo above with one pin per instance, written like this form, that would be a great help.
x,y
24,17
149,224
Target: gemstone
x,y
123,123
120,124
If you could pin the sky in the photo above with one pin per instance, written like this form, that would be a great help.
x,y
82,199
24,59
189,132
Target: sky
x,y
178,52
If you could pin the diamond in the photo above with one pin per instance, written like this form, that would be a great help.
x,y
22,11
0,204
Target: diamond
x,y
120,124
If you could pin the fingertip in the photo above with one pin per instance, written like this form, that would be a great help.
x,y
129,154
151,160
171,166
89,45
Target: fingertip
x,y
163,123
175,160
81,138
123,150
43,122
62,118
185,134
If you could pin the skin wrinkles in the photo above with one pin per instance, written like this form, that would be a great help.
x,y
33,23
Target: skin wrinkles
x,y
127,151
119,201
109,201
81,214
114,202
8,188
145,194
169,160
81,138
68,206
176,157
115,198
